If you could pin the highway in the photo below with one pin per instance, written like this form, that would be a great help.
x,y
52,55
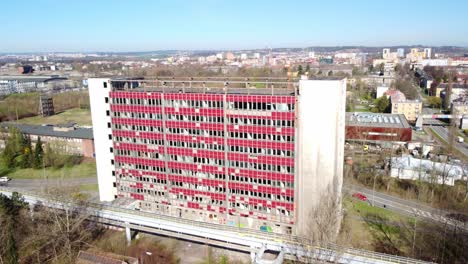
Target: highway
x,y
406,207
249,240
444,134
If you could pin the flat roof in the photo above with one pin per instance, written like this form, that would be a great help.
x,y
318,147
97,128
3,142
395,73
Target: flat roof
x,y
365,119
48,130
211,85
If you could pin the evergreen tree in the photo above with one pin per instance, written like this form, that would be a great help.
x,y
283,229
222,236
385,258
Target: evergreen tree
x,y
300,71
38,154
26,154
12,148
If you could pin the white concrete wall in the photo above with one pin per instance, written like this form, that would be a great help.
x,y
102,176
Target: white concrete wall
x,y
320,144
102,143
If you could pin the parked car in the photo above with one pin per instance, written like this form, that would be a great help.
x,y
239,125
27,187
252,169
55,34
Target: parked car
x,y
360,196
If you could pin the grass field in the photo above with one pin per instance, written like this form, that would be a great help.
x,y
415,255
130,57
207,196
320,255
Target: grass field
x,y
356,232
80,116
89,187
83,170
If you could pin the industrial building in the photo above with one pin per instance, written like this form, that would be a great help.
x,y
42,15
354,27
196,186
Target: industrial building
x,y
223,152
377,127
66,139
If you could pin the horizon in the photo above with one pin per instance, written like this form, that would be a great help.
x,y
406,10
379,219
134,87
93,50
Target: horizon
x,y
115,26
236,50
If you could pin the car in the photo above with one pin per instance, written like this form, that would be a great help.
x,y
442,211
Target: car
x,y
360,196
4,179
459,217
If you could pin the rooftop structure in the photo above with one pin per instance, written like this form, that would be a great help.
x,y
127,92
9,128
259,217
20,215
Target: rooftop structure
x,y
237,152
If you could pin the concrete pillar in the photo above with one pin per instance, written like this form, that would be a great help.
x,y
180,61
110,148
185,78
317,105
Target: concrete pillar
x,y
253,254
128,233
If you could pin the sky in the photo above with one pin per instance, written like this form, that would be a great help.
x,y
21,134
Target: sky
x,y
148,25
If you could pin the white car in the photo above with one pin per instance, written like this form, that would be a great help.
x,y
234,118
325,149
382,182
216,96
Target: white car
x,y
4,179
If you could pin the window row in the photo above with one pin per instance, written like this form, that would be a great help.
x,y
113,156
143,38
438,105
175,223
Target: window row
x,y
143,179
261,122
136,101
283,107
193,103
139,154
191,118
139,115
196,160
261,167
272,183
195,132
198,174
138,140
197,145
261,209
269,196
138,128
199,187
262,151
269,137
128,166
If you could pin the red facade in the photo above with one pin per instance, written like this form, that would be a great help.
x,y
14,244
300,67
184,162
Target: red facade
x,y
229,154
373,133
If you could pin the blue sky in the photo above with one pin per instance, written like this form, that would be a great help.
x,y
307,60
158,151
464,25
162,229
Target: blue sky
x,y
137,25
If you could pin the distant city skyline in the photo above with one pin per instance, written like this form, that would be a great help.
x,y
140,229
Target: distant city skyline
x,y
124,26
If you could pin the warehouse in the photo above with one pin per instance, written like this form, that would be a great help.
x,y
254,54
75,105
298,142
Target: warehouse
x,y
377,127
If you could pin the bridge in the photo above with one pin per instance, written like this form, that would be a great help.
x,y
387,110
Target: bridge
x,y
419,121
241,239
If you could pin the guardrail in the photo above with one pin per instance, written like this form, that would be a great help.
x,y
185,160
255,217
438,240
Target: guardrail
x,y
290,243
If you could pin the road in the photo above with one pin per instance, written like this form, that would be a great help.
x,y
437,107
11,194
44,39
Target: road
x,y
444,134
406,207
231,237
38,184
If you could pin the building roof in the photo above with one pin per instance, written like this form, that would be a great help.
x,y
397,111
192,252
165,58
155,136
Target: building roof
x,y
376,120
32,78
454,86
53,131
396,95
213,85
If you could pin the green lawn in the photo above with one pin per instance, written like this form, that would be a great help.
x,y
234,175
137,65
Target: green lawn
x,y
89,187
83,170
75,115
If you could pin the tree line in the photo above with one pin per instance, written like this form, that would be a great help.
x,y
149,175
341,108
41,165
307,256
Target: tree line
x,y
19,152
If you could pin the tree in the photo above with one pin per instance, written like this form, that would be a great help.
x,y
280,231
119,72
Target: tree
x,y
38,154
434,101
381,67
382,105
307,69
300,71
9,213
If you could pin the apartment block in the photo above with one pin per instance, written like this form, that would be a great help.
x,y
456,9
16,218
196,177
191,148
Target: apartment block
x,y
220,151
409,108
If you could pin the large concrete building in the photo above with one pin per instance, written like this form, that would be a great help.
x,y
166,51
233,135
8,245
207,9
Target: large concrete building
x,y
221,152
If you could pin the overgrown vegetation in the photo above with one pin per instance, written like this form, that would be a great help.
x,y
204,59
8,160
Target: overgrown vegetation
x,y
20,153
17,106
437,195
